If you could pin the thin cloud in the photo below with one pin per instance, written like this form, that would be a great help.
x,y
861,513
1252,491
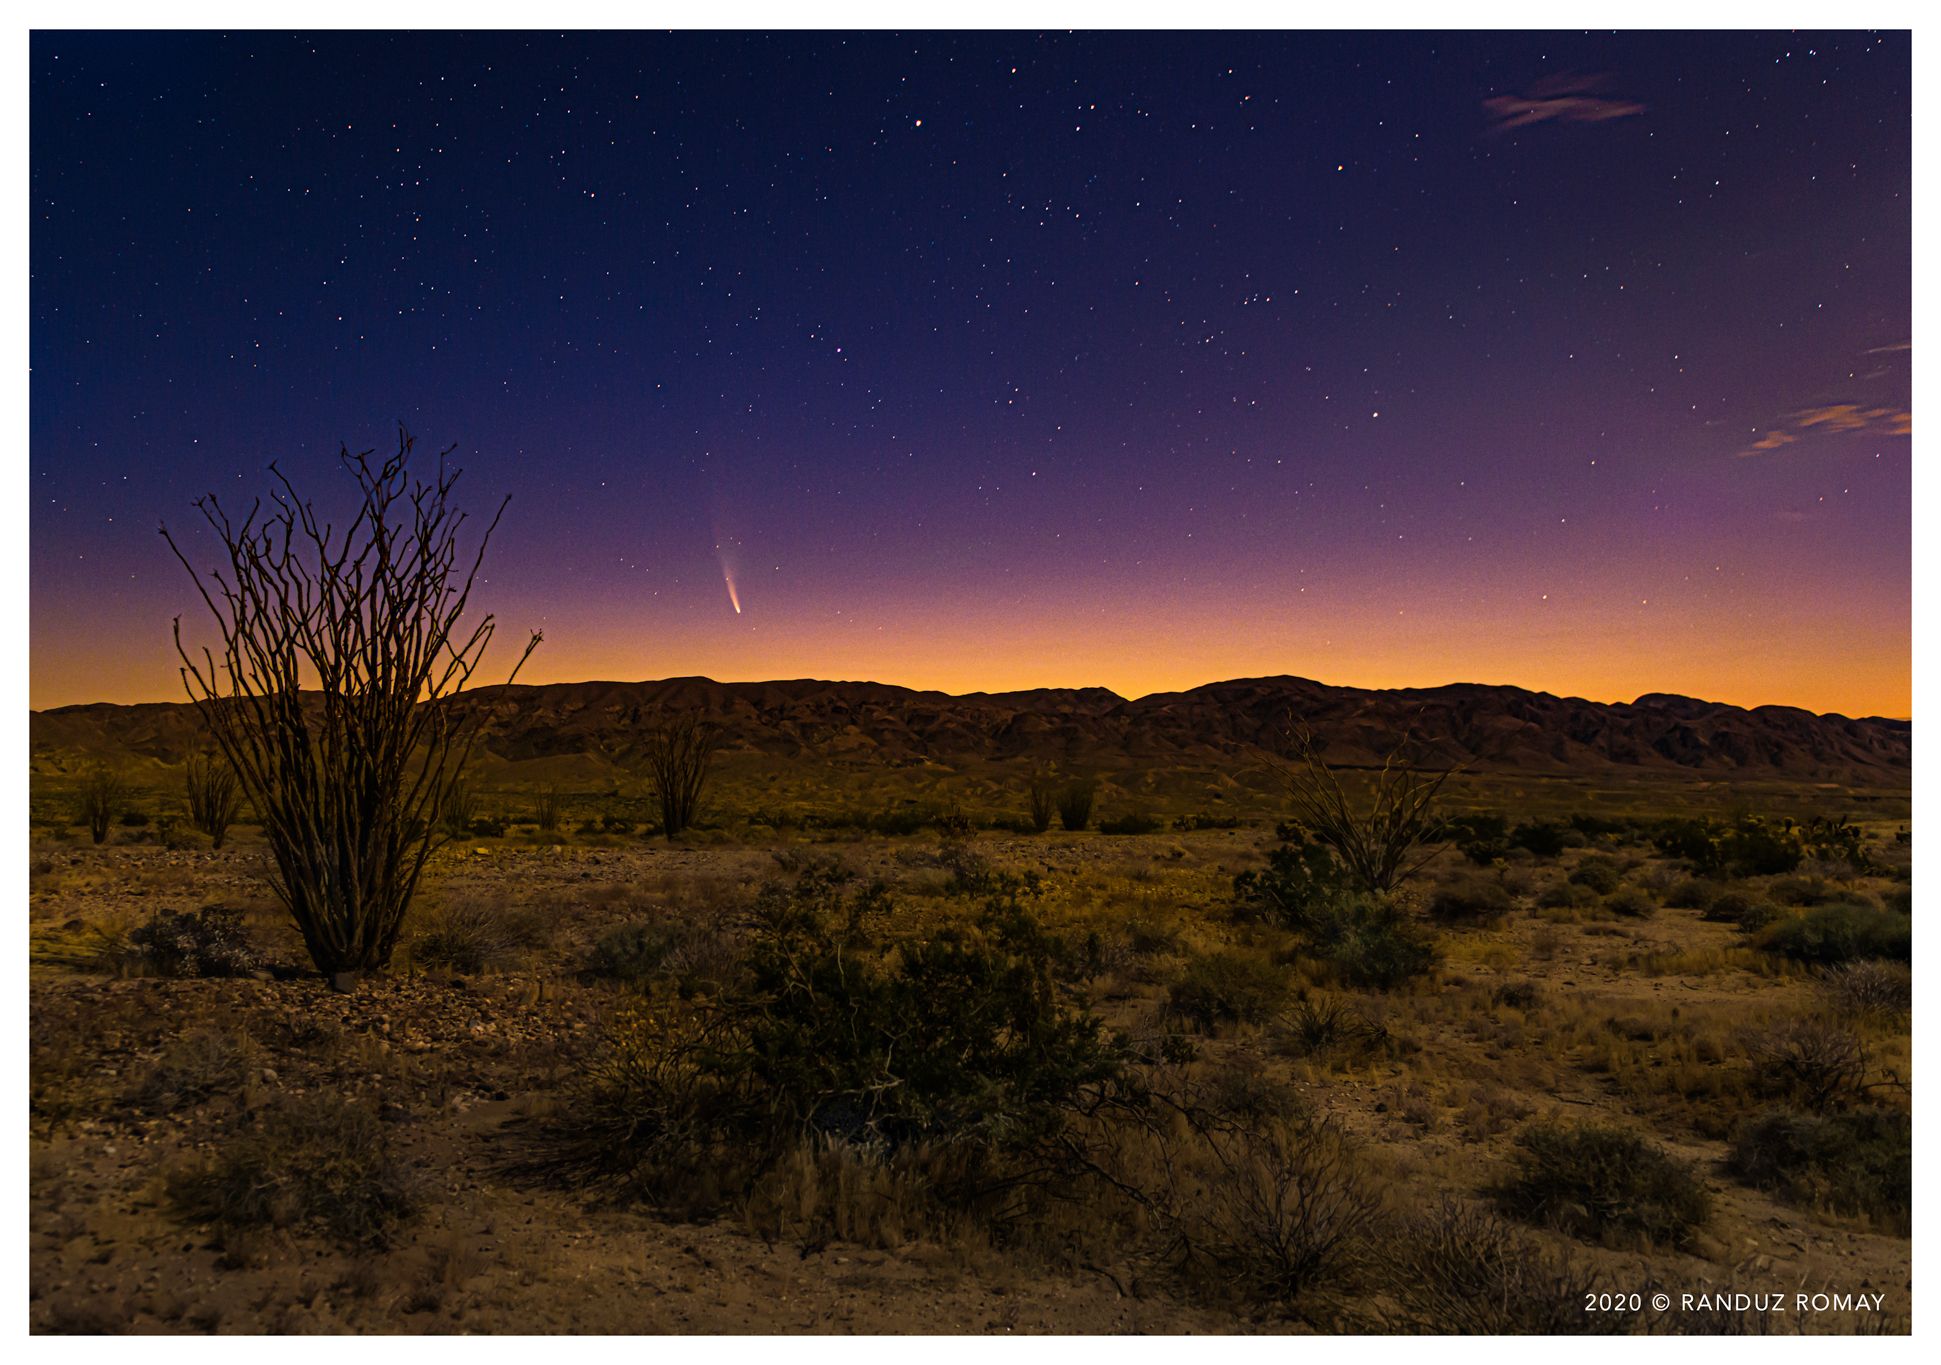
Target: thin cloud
x,y
1564,99
1837,418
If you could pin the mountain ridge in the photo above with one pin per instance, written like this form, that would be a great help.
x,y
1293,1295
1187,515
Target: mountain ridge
x,y
1490,727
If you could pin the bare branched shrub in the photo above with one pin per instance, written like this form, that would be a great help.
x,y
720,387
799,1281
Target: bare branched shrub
x,y
333,695
213,794
1464,1271
1075,803
1870,989
478,934
1815,1063
546,814
1393,838
679,752
459,810
99,800
1042,797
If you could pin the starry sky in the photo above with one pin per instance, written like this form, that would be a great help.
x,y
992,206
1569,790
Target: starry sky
x,y
989,361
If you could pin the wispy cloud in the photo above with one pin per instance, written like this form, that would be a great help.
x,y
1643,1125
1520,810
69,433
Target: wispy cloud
x,y
1567,99
1838,418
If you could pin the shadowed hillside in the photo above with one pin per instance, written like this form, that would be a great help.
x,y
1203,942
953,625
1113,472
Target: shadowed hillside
x,y
1493,729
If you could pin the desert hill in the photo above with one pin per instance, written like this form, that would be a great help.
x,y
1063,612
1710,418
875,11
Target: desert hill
x,y
1493,729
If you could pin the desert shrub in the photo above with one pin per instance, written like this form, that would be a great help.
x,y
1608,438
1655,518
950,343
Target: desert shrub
x,y
133,819
678,753
1470,900
1481,839
1899,899
1857,1164
1754,848
459,810
1800,890
1372,943
209,942
693,956
1746,909
194,1067
1870,990
99,800
1695,893
1302,882
1601,875
1832,934
1136,822
1517,995
1631,902
1604,1185
1544,838
214,795
1269,1211
310,1162
1383,841
830,1027
1813,1063
1566,895
1321,1025
489,826
546,811
1203,820
478,935
1227,987
1465,1271
1041,799
1075,803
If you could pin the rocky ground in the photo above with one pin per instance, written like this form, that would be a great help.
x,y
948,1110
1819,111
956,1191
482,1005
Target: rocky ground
x,y
455,1065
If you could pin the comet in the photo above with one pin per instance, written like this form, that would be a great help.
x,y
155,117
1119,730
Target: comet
x,y
734,598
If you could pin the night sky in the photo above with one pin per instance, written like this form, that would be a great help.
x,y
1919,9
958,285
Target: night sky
x,y
994,361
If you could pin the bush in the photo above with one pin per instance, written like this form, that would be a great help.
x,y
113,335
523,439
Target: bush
x,y
99,800
213,794
311,1162
1604,1185
694,957
1302,882
1320,1025
489,826
1859,1163
1815,1064
1870,990
1470,900
472,936
210,942
1695,893
1075,804
1227,987
1041,799
1458,1270
1566,896
1372,943
193,1068
1133,823
830,1028
1743,908
1601,875
1632,902
1832,934
1544,838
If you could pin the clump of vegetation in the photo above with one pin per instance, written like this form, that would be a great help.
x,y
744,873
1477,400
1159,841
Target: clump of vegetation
x,y
964,1037
473,935
1829,935
692,956
1471,900
1075,803
311,1162
1816,1064
1227,987
1481,839
1746,909
546,812
1601,875
679,754
338,644
1372,943
99,800
1384,845
1695,893
1870,990
1543,838
459,812
1041,797
1856,1164
213,794
209,942
1303,879
1462,1270
1631,902
1604,1185
1745,847
1327,1025
197,1066
1134,822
